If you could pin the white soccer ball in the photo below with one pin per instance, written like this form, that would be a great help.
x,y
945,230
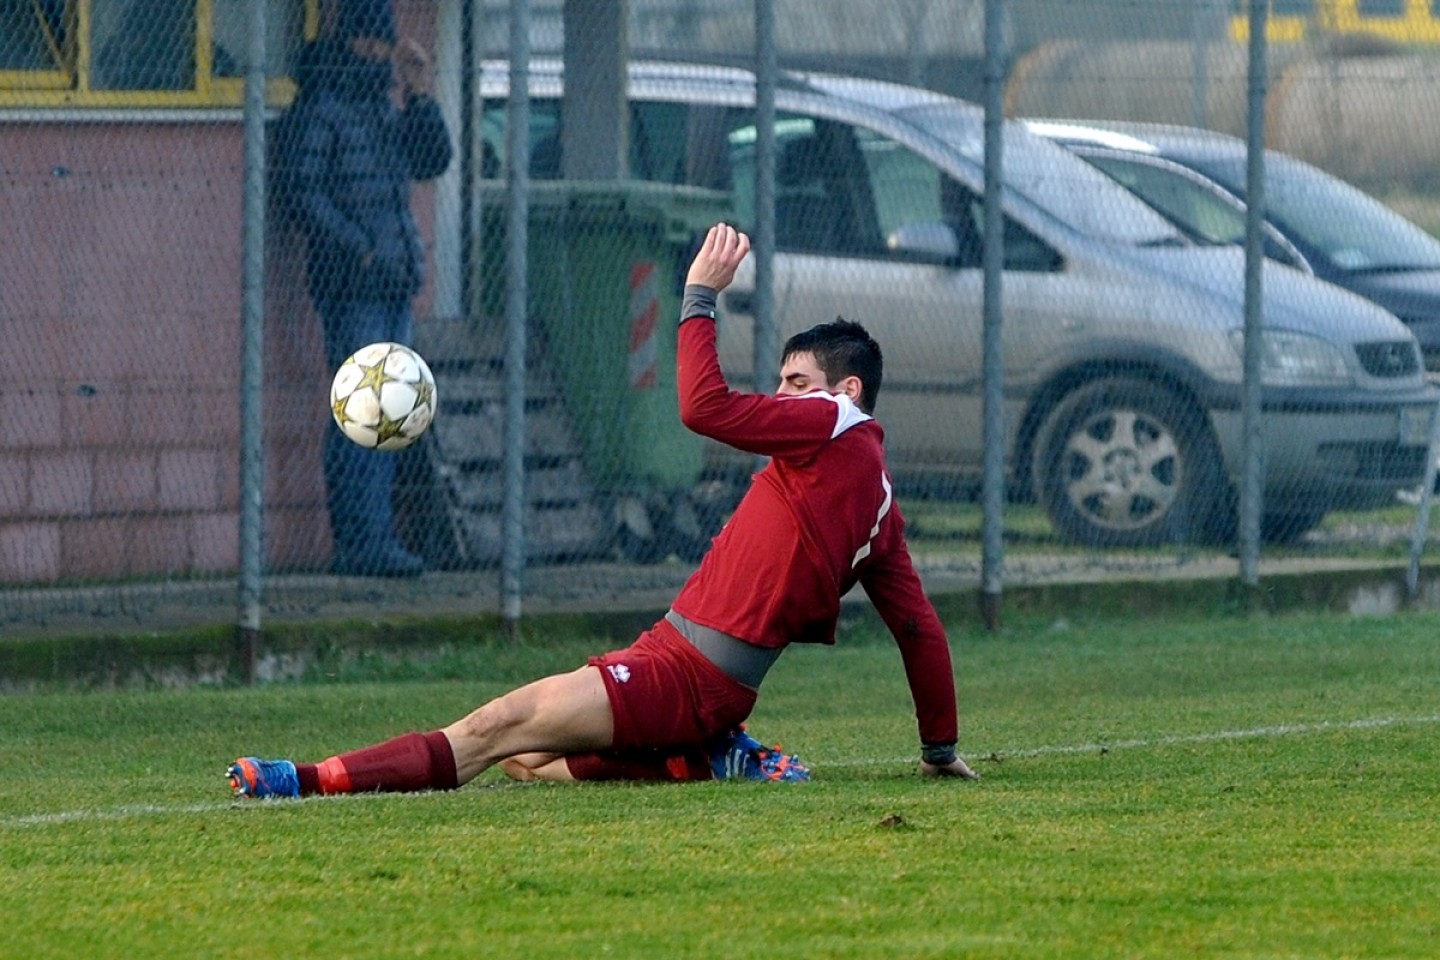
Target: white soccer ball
x,y
383,397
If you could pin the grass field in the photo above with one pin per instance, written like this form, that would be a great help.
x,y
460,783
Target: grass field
x,y
1198,786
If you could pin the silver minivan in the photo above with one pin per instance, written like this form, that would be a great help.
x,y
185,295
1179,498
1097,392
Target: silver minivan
x,y
1122,340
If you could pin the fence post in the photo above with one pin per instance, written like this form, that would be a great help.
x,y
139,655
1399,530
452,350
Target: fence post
x,y
993,361
1252,481
252,454
1422,511
517,263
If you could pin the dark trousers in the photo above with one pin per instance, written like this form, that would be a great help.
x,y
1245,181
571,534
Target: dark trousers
x,y
359,481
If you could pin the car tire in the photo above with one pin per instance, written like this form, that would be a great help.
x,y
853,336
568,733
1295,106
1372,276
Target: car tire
x,y
1127,463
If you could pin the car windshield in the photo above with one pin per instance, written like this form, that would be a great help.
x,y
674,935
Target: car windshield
x,y
1050,177
1351,229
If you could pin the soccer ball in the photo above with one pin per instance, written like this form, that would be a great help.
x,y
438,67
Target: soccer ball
x,y
383,397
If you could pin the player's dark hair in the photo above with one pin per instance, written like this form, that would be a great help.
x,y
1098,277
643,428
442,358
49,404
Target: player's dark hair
x,y
842,348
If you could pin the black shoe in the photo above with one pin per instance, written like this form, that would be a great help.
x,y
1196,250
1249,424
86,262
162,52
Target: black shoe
x,y
392,561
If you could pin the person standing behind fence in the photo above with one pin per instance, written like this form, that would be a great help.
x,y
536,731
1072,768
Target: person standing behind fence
x,y
346,158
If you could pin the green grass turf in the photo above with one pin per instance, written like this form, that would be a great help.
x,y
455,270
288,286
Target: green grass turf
x,y
1213,787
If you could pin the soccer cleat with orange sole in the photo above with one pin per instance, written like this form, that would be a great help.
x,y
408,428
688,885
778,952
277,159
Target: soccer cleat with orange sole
x,y
263,779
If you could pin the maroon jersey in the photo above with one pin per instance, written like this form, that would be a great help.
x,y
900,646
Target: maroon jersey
x,y
817,520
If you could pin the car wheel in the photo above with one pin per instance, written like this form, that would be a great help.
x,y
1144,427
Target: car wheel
x,y
1127,463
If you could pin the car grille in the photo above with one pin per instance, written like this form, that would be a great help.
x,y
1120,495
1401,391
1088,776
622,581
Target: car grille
x,y
1388,358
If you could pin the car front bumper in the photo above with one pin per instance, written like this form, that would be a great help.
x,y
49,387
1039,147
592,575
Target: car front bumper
x,y
1334,450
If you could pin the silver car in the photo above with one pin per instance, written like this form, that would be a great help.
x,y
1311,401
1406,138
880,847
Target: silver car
x,y
1313,221
1122,339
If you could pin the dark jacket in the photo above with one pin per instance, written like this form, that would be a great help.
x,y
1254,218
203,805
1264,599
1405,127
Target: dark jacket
x,y
344,159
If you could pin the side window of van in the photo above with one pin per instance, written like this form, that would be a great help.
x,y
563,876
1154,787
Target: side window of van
x,y
1026,252
964,209
906,186
913,196
823,198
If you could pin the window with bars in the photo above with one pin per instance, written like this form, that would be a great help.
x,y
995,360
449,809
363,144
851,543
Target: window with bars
x,y
152,53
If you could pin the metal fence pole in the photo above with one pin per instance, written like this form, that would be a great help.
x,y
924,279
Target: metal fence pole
x,y
472,136
1421,529
992,356
252,377
1253,478
767,347
517,146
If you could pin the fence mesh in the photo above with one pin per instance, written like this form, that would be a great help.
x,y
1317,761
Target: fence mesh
x,y
121,148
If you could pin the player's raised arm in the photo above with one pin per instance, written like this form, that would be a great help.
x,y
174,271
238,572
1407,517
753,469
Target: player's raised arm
x,y
719,257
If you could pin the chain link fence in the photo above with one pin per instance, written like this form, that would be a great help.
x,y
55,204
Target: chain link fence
x,y
390,215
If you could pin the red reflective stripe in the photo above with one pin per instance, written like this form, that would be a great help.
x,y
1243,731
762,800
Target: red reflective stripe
x,y
333,776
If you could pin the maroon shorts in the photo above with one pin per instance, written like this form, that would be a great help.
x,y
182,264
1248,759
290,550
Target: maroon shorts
x,y
664,693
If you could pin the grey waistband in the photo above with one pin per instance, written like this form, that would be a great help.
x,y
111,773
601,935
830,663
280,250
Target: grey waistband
x,y
742,662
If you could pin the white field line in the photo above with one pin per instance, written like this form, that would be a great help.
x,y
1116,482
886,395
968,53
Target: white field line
x,y
1217,736
113,813
136,810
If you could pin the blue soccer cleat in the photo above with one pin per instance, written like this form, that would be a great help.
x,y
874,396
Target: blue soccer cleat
x,y
739,756
263,779
782,767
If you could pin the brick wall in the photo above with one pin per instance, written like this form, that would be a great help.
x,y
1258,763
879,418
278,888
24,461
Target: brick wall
x,y
120,315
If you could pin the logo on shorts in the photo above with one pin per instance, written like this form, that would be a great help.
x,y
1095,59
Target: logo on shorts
x,y
620,672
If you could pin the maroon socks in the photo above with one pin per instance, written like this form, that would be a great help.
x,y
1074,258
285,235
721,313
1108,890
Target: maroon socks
x,y
414,761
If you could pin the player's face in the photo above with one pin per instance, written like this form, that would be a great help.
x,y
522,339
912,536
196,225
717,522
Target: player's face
x,y
800,374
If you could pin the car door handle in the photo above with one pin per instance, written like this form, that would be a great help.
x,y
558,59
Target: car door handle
x,y
740,302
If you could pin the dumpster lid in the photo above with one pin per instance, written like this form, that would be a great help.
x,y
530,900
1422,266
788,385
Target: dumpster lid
x,y
680,209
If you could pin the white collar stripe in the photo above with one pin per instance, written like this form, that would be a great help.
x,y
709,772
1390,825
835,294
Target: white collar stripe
x,y
847,415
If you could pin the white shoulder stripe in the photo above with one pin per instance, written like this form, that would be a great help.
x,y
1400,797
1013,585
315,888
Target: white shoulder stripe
x,y
846,416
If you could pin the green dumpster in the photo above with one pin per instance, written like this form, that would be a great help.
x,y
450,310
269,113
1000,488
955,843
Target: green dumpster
x,y
607,262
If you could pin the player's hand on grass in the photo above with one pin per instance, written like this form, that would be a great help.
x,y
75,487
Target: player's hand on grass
x,y
719,257
955,768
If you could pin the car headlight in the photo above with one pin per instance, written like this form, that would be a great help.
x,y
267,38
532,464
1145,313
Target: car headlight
x,y
1289,358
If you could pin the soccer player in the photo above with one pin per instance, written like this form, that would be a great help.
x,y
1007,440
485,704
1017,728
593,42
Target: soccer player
x,y
818,519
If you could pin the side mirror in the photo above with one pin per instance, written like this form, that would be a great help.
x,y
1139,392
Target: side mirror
x,y
934,242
